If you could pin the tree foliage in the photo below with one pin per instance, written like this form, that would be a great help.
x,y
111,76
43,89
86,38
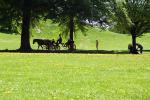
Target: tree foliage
x,y
11,12
9,16
81,11
23,12
132,14
132,17
64,10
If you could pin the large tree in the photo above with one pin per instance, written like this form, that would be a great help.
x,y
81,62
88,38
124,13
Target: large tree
x,y
25,35
71,14
27,11
32,10
132,17
9,17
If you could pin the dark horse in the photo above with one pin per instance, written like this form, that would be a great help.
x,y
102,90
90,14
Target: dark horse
x,y
43,43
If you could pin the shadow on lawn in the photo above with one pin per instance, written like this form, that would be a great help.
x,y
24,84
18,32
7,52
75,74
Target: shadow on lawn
x,y
76,51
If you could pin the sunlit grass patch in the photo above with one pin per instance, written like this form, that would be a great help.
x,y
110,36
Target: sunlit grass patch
x,y
74,76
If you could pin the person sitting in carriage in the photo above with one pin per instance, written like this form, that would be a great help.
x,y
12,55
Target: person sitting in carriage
x,y
69,42
59,41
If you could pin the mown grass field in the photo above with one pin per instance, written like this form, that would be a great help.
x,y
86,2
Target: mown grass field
x,y
74,77
43,76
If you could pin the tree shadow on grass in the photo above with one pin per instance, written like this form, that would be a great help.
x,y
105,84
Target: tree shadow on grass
x,y
75,51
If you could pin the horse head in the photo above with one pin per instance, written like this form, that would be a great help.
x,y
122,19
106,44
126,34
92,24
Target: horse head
x,y
34,40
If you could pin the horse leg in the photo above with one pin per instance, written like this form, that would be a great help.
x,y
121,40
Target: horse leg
x,y
42,47
38,47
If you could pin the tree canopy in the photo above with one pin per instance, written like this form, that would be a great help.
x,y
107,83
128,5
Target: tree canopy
x,y
73,14
132,17
127,16
24,12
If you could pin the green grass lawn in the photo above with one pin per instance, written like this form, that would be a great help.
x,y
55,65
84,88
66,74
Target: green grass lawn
x,y
107,40
74,77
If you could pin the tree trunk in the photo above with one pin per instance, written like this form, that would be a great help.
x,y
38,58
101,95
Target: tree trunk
x,y
133,33
25,36
134,51
71,26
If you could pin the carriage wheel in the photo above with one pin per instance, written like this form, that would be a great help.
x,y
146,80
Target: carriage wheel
x,y
65,46
57,47
74,46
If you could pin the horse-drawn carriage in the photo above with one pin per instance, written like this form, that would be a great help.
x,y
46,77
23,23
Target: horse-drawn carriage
x,y
69,44
47,44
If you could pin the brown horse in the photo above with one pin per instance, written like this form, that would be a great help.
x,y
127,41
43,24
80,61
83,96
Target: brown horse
x,y
43,43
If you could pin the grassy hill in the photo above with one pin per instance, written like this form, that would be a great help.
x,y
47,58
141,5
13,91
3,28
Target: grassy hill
x,y
107,40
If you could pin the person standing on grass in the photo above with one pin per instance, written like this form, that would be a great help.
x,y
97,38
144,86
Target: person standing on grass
x,y
97,44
